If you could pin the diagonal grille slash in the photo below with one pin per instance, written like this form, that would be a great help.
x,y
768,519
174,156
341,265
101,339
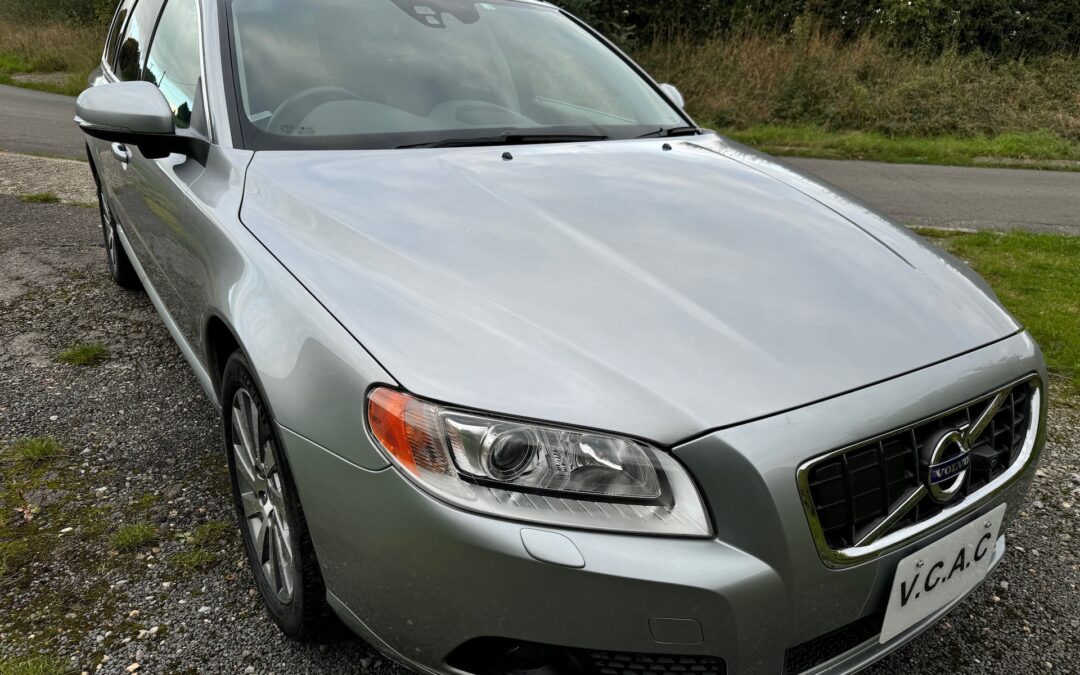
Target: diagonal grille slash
x,y
860,497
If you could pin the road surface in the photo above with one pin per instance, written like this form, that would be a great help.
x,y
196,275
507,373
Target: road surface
x,y
960,197
39,123
940,196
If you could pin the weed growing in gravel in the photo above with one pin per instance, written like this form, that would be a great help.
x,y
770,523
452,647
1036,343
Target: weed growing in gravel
x,y
34,665
145,501
133,537
210,534
88,354
204,537
36,450
40,198
194,559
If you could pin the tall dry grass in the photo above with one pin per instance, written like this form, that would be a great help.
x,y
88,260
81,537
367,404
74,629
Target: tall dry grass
x,y
72,49
817,79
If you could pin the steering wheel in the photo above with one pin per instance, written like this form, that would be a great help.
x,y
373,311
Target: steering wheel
x,y
294,109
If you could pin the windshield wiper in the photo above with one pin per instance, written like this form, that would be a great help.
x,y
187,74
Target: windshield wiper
x,y
505,139
668,132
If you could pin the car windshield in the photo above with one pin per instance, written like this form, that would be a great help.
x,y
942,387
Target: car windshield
x,y
401,73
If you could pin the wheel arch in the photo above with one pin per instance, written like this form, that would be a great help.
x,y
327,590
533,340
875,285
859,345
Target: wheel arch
x,y
220,343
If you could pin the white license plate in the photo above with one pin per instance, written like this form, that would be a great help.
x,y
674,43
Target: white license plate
x,y
932,577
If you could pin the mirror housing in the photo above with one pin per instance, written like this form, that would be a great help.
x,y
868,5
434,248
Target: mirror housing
x,y
136,113
674,95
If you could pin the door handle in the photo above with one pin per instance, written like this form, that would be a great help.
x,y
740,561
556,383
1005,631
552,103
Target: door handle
x,y
121,153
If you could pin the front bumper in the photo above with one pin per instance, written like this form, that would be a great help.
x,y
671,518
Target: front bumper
x,y
419,579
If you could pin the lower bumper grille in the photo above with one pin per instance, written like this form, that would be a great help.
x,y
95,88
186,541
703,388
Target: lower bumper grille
x,y
500,656
621,663
817,651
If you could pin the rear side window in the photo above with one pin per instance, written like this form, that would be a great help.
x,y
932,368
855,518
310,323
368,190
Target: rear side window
x,y
174,61
113,45
132,51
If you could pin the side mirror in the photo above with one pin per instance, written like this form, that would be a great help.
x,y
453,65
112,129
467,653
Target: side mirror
x,y
673,94
137,114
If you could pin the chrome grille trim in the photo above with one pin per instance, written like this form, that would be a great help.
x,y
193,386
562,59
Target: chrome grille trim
x,y
892,541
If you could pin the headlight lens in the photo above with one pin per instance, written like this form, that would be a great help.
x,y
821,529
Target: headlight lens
x,y
536,472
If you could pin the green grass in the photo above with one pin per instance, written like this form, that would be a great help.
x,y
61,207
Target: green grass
x,y
134,537
1033,150
201,541
40,198
34,665
66,51
9,63
1037,277
36,450
212,533
193,559
88,354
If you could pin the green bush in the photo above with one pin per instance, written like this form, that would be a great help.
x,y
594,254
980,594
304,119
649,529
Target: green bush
x,y
1007,28
45,11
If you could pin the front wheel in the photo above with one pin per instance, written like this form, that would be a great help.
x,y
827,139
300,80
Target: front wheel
x,y
272,524
120,267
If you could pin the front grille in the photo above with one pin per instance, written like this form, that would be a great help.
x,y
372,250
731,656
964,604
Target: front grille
x,y
812,653
853,492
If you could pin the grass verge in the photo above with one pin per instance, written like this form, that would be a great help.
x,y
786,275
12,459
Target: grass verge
x,y
65,52
1037,150
1037,277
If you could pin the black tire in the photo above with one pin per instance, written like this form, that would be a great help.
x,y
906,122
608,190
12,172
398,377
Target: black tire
x,y
120,267
304,615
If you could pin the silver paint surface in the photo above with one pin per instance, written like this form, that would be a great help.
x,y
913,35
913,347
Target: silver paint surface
x,y
613,285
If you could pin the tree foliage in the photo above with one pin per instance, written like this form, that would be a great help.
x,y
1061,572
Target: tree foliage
x,y
75,11
1007,28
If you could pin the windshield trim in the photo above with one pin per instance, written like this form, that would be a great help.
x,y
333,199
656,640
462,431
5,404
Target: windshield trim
x,y
246,136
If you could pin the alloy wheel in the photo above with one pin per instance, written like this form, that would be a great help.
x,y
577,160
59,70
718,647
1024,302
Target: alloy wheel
x,y
262,496
108,228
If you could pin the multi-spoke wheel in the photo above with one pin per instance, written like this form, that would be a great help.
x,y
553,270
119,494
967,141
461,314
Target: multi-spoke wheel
x,y
272,522
262,496
119,265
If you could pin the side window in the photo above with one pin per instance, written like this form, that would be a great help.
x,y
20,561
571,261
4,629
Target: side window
x,y
174,62
113,45
132,51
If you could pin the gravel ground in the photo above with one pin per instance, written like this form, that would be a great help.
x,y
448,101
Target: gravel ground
x,y
68,179
141,445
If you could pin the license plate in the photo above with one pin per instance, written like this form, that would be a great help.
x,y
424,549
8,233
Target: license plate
x,y
932,577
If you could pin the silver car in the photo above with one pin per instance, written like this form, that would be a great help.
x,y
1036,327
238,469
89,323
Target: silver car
x,y
522,371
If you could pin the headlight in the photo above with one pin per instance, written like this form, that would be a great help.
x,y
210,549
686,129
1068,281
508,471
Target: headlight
x,y
536,472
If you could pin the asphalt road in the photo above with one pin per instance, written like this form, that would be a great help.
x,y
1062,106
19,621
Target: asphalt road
x,y
960,197
939,196
39,123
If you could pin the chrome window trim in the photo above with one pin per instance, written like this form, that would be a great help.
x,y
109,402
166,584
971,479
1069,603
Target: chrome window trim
x,y
853,555
202,68
106,68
